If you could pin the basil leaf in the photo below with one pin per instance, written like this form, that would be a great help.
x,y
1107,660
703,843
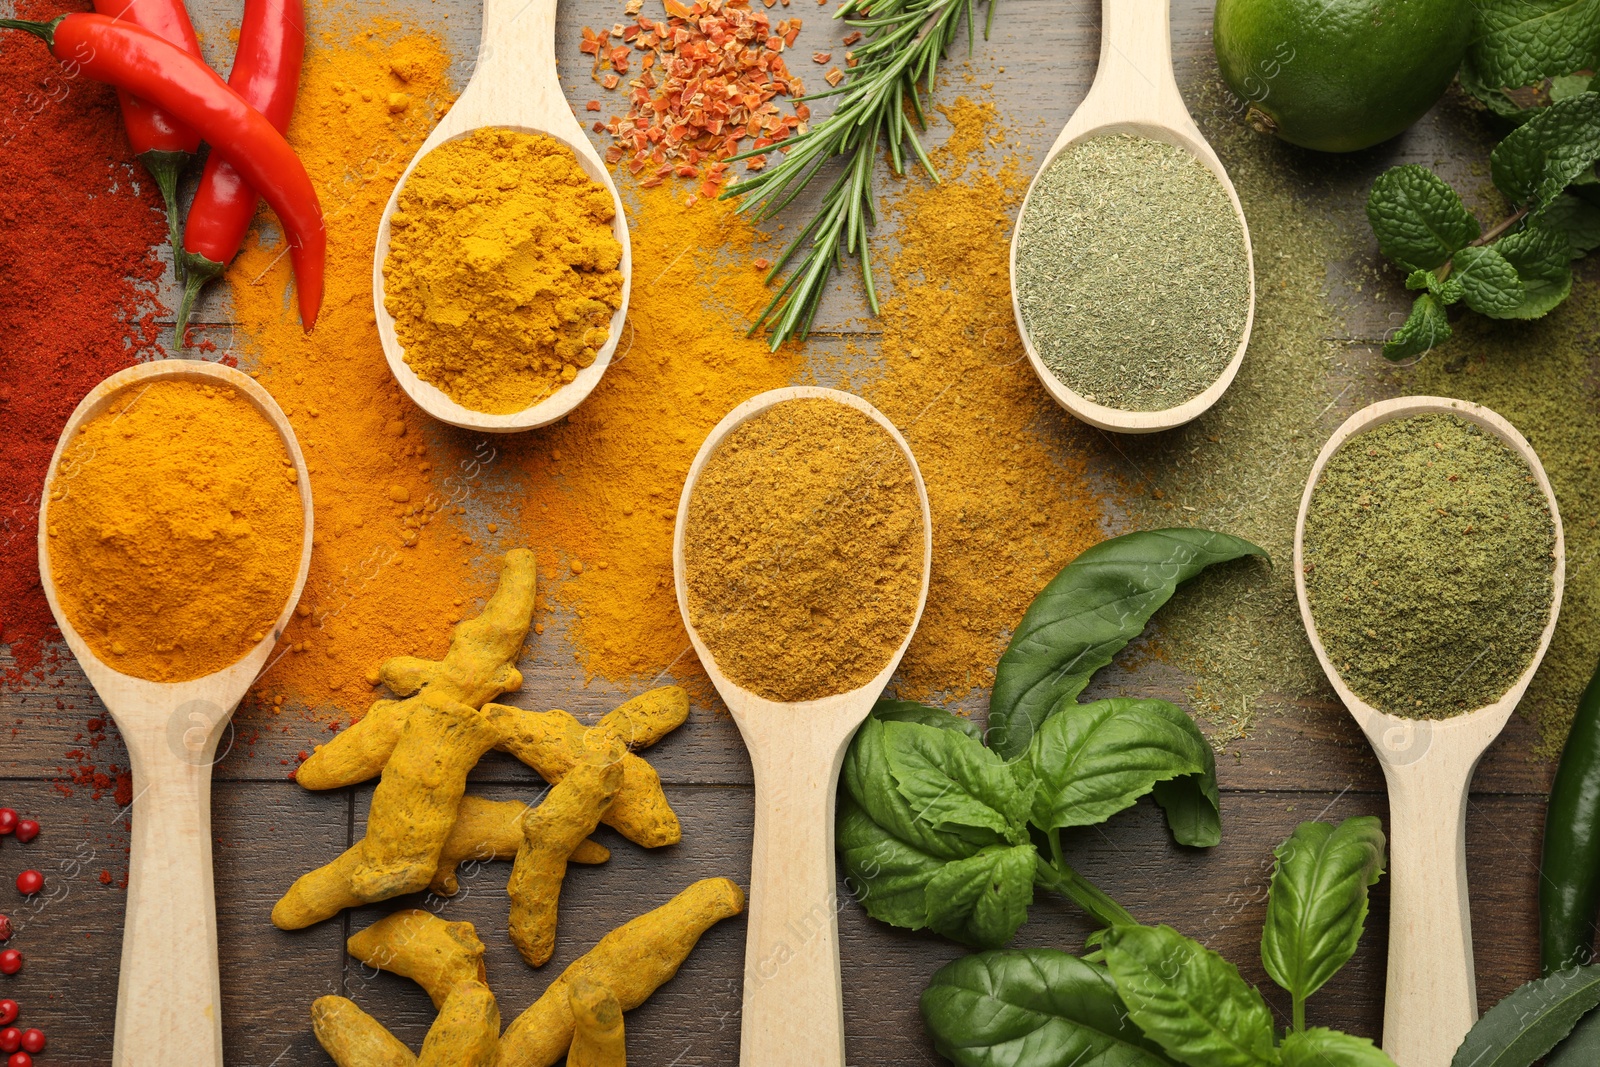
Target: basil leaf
x,y
955,784
1194,811
1317,905
1542,256
1581,1048
1427,328
1489,283
1528,1023
983,901
1538,159
888,875
1418,218
1520,42
1093,760
1188,999
1577,218
1329,1048
886,710
1036,1007
1086,615
868,779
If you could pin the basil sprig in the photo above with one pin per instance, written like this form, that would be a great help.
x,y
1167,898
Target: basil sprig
x,y
939,830
1181,1003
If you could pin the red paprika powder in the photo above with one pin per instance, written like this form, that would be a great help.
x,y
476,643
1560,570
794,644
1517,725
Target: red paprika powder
x,y
78,226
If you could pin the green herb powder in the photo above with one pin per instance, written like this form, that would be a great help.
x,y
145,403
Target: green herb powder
x,y
1131,273
1429,565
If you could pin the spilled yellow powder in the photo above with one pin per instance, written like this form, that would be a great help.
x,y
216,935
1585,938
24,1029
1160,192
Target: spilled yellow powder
x,y
502,269
402,501
1007,471
175,530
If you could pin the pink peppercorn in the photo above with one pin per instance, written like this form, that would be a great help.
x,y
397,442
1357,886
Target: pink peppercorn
x,y
20,1059
29,882
33,1040
10,961
8,1012
10,1039
27,830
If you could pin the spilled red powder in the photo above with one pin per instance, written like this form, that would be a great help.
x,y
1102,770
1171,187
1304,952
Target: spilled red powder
x,y
78,222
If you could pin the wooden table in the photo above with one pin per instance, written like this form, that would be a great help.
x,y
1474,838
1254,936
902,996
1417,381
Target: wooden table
x,y
1307,763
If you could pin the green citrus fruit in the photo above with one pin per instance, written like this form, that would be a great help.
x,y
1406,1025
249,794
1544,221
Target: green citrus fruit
x,y
1338,75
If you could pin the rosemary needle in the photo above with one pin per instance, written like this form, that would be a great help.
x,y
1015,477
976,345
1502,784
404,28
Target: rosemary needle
x,y
905,39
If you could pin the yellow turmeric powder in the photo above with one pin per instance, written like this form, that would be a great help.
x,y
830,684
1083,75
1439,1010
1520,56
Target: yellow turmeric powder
x,y
175,529
502,268
398,494
633,961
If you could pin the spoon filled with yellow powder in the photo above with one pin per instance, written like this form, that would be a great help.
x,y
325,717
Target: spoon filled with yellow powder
x,y
174,540
501,271
801,557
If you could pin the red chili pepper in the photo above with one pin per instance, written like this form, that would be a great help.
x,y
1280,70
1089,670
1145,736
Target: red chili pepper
x,y
137,60
266,73
163,144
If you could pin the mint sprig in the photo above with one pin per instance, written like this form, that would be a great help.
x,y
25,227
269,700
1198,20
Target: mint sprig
x,y
1528,54
1520,267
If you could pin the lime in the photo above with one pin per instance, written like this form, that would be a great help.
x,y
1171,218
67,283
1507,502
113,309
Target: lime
x,y
1338,75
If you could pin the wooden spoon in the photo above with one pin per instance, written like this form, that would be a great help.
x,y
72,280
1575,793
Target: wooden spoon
x,y
1134,92
793,1013
515,86
169,1002
1432,997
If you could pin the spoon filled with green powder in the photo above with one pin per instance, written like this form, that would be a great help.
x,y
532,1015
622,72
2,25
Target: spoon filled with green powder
x,y
1131,271
1429,563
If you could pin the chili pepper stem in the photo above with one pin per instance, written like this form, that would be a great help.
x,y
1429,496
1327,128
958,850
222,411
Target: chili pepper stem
x,y
45,31
166,168
197,271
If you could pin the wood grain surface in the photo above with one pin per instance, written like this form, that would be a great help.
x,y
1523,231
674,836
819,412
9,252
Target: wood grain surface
x,y
1307,762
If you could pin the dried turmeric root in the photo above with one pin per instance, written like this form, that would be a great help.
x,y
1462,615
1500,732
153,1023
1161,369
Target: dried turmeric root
x,y
414,806
648,717
355,1039
492,830
632,961
319,894
418,945
479,666
549,742
550,833
597,1038
466,1032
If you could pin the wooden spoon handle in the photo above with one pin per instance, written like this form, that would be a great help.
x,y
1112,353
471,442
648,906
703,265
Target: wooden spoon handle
x,y
1134,82
793,1013
1432,997
169,1000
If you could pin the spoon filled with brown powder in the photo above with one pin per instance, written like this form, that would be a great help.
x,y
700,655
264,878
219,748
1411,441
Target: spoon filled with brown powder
x,y
801,557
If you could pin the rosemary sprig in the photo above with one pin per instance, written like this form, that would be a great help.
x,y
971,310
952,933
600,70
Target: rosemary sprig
x,y
905,39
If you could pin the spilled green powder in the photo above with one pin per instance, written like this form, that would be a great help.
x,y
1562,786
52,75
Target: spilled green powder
x,y
1131,273
1428,565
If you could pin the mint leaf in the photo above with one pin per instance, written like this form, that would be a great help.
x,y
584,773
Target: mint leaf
x,y
1426,329
1489,283
1317,905
1569,85
1542,256
1575,217
1540,158
1188,999
1520,42
1447,292
1329,1048
1418,219
982,901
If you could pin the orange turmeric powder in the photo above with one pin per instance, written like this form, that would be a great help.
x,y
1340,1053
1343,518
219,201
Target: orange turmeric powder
x,y
175,529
